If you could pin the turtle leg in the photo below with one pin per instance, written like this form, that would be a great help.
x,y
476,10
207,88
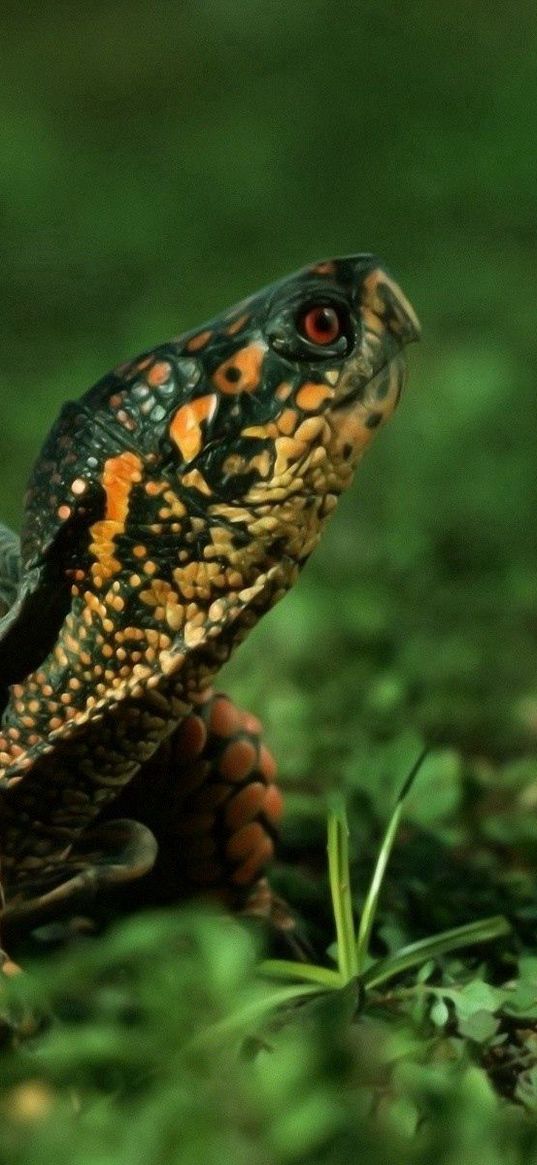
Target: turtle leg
x,y
227,803
198,820
106,856
211,799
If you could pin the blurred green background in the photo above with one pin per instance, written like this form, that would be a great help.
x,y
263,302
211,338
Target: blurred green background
x,y
158,162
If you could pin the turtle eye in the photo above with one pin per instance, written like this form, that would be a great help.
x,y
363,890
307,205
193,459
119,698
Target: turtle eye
x,y
321,324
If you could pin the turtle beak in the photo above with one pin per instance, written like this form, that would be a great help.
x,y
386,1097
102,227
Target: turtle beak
x,y
382,298
388,323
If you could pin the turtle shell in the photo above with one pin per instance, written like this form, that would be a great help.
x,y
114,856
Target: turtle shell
x,y
54,521
10,568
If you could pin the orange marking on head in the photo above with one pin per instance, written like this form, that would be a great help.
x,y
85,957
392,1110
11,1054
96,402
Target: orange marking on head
x,y
159,373
311,396
237,324
241,372
185,428
199,341
327,268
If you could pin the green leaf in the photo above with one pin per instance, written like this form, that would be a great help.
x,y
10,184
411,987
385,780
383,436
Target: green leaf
x,y
480,1026
475,996
439,1012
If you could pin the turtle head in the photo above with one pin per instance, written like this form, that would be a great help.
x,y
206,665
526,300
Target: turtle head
x,y
266,408
293,385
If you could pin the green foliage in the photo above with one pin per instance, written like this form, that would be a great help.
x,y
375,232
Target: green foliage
x,y
161,1043
157,163
351,951
163,1040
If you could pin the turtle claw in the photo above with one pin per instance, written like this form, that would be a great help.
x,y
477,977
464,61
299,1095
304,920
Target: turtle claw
x,y
16,1023
285,933
7,966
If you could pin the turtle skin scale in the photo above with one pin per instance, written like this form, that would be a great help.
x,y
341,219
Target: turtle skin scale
x,y
169,508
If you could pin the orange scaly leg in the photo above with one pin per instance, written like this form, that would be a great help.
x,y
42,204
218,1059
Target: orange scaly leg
x,y
211,799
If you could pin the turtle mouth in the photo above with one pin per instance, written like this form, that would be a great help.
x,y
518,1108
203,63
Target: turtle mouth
x,y
375,373
381,389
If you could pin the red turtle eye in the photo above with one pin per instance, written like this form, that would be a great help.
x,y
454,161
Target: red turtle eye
x,y
321,325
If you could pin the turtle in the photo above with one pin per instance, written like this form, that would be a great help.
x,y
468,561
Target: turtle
x,y
172,505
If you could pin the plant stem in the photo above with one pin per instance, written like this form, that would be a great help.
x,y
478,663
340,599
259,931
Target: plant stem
x,y
338,872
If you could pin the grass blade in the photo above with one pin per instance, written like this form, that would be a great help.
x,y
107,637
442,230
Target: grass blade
x,y
307,972
338,873
371,901
430,948
237,1025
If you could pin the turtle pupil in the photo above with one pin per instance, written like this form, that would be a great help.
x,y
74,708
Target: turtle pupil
x,y
324,320
321,325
